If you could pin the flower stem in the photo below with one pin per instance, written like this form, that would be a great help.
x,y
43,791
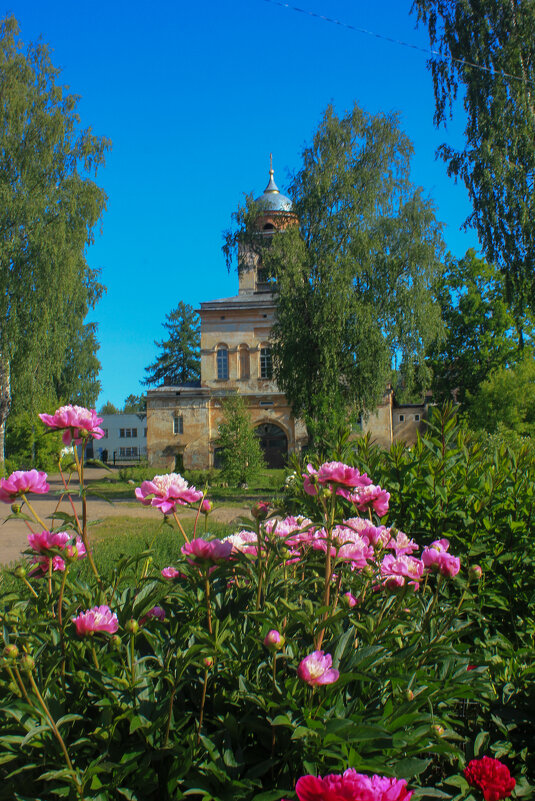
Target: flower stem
x,y
179,524
203,701
169,717
34,513
208,605
56,733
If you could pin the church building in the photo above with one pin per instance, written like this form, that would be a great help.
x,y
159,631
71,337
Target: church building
x,y
182,421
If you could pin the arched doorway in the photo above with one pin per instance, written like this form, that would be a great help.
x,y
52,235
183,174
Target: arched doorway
x,y
274,444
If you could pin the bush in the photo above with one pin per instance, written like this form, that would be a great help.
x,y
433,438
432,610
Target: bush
x,y
302,646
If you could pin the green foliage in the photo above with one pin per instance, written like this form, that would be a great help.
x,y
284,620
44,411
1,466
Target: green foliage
x,y
134,404
489,50
359,269
30,445
241,453
506,399
197,706
108,408
179,361
479,330
49,205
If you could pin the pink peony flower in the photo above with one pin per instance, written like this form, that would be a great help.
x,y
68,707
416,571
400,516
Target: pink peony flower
x,y
370,497
350,599
491,776
20,482
171,573
351,786
243,542
166,491
401,544
437,558
336,473
157,611
213,551
77,421
396,569
99,618
62,540
274,640
316,668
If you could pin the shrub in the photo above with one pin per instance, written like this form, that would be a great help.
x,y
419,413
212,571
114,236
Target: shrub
x,y
301,646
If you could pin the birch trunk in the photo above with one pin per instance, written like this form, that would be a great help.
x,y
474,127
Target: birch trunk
x,y
5,402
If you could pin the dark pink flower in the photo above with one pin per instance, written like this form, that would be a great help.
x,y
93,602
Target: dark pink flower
x,y
213,551
316,668
491,776
166,492
44,541
437,558
171,573
99,618
22,481
157,611
351,786
77,421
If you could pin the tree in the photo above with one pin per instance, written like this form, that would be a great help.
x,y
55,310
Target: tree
x,y
241,453
353,281
179,362
134,404
480,334
49,205
108,408
506,399
489,48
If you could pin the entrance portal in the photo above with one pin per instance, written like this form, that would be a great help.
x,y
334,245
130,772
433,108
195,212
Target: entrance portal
x,y
274,444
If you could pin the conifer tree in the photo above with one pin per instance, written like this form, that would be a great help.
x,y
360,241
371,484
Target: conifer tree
x,y
179,361
240,449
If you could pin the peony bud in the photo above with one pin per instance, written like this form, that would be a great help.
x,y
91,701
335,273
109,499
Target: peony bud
x,y
474,573
437,729
11,652
349,599
409,695
132,626
27,663
15,508
260,510
20,572
274,640
206,506
116,641
208,662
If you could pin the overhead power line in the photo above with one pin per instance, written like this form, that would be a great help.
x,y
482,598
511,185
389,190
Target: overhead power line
x,y
390,39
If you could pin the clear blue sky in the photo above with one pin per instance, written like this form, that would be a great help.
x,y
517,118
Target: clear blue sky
x,y
195,95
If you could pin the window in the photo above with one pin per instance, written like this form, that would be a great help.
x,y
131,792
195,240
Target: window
x,y
127,432
266,370
244,362
401,418
178,425
222,364
417,418
105,433
145,433
128,453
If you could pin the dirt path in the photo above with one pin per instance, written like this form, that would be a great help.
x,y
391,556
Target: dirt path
x,y
14,533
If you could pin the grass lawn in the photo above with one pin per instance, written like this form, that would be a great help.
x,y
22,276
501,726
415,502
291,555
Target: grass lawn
x,y
119,486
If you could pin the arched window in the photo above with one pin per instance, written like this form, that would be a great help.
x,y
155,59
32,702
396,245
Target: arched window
x,y
244,362
222,362
266,369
